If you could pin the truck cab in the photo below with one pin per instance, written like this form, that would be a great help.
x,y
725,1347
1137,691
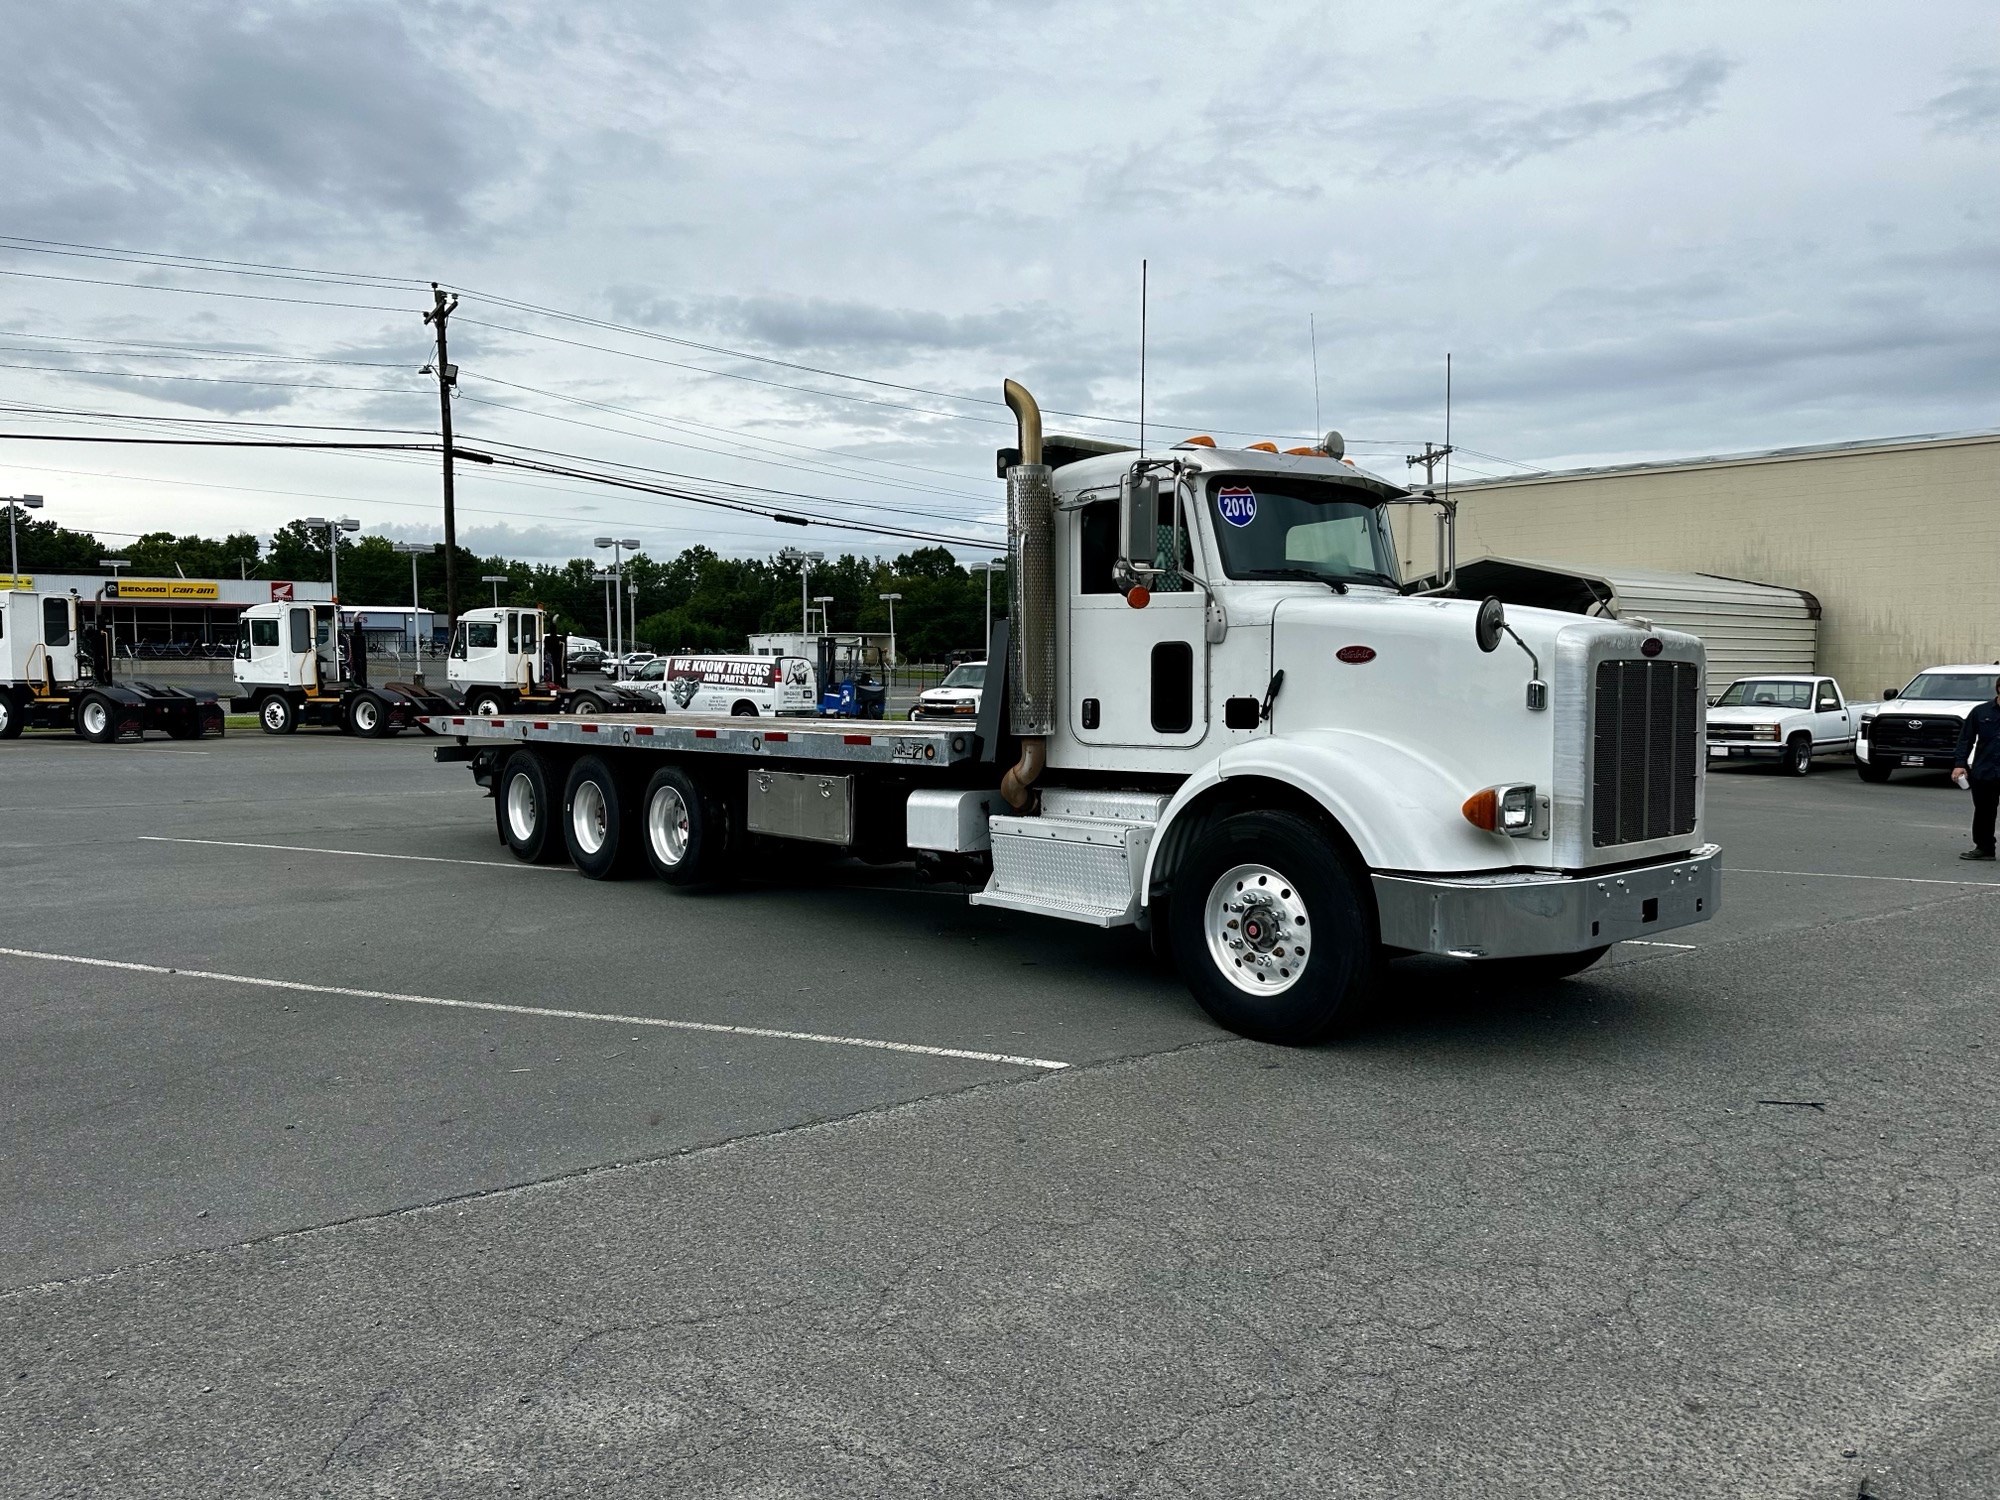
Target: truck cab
x,y
55,673
506,659
296,665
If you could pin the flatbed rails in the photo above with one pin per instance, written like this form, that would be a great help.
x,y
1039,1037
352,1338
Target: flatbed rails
x,y
879,743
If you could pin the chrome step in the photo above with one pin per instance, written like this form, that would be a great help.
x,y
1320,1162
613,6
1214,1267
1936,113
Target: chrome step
x,y
1080,868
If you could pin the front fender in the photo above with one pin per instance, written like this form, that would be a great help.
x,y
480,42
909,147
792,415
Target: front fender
x,y
1400,809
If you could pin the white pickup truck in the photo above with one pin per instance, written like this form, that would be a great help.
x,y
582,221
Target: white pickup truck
x,y
1789,719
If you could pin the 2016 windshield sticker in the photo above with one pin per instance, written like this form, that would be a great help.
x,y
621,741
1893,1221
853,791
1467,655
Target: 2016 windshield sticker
x,y
1236,505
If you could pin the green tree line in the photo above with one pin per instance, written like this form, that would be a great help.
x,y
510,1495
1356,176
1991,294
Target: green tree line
x,y
695,599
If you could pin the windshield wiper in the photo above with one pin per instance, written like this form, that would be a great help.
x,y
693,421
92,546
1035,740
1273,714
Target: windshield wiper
x,y
1302,575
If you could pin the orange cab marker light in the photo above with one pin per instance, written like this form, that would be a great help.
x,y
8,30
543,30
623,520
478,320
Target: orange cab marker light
x,y
1265,447
1482,809
1204,441
1138,596
1305,453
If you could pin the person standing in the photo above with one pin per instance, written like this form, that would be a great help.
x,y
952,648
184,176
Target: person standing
x,y
1978,770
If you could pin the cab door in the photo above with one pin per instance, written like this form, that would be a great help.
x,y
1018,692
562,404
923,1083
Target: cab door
x,y
1833,725
301,655
1136,677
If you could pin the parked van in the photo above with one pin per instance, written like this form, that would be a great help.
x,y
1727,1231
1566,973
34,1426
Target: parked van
x,y
742,685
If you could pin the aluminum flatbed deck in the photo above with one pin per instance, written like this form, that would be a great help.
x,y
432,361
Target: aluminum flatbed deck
x,y
860,741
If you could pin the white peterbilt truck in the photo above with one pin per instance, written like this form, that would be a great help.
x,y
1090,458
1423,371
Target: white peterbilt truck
x,y
1224,719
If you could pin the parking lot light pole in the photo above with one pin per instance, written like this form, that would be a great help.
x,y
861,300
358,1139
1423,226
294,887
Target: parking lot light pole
x,y
805,560
619,545
115,564
415,550
16,503
825,623
334,527
890,600
496,579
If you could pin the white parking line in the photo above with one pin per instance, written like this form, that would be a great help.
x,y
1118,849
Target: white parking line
x,y
1985,885
1647,943
542,1012
428,859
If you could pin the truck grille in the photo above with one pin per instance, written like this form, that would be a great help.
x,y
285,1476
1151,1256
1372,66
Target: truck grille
x,y
1907,736
1744,733
1646,751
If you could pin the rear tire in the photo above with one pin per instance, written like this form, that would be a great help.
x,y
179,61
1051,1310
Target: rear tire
x,y
1271,930
367,716
1872,772
597,830
12,720
743,710
275,714
1798,756
588,705
684,830
1539,968
185,726
528,811
97,719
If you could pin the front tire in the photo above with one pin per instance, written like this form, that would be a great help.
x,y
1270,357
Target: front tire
x,y
1271,929
485,705
528,811
275,715
596,829
12,720
1873,772
1798,756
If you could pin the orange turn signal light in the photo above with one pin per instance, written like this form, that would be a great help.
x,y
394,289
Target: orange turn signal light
x,y
1482,809
1138,596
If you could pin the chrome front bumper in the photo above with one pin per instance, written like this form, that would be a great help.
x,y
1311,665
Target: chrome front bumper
x,y
1520,913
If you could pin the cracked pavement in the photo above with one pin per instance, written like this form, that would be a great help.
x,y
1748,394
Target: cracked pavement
x,y
1535,1243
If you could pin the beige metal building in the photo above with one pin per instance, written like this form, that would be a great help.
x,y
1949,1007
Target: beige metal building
x,y
1899,540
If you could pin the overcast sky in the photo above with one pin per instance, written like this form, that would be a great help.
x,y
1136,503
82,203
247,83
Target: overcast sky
x,y
1640,230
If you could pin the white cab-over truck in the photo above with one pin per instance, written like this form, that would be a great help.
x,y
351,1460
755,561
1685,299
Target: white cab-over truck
x,y
295,665
55,673
1221,718
505,660
1782,717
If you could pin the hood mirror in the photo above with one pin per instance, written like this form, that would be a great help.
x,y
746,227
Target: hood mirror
x,y
1489,623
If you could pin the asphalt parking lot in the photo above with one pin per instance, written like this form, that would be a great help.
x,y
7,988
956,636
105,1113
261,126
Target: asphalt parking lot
x,y
286,1217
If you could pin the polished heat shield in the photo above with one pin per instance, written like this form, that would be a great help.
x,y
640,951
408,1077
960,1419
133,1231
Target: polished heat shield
x,y
1031,599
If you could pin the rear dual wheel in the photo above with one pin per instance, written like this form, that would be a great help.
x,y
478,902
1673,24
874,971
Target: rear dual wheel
x,y
97,719
368,717
527,811
597,825
684,829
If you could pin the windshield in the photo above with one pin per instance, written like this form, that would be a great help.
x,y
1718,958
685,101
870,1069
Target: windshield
x,y
1963,686
971,674
1294,528
1754,694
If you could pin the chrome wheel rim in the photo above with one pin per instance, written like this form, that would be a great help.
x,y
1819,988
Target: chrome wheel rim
x,y
521,808
589,820
95,718
667,826
1258,930
487,708
274,713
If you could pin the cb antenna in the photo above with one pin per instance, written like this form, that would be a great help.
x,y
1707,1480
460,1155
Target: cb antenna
x,y
1142,358
1312,331
1447,424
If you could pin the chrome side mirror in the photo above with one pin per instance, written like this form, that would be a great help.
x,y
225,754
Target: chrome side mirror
x,y
1489,623
1138,522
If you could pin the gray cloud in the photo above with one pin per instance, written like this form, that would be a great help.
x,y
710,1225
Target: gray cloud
x,y
1972,109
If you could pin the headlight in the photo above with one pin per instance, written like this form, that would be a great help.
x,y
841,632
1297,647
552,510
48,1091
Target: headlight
x,y
1769,732
1514,810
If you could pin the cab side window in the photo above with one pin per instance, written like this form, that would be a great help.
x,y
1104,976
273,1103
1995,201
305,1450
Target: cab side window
x,y
264,633
301,630
1097,549
1829,700
528,634
55,622
513,634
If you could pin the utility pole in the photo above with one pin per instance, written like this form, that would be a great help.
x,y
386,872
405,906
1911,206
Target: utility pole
x,y
1433,455
442,305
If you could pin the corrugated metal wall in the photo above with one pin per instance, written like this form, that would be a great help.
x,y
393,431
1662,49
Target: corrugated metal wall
x,y
1747,628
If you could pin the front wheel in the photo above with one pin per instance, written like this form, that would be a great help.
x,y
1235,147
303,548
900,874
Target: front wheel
x,y
12,721
1271,930
1798,755
1873,771
485,705
275,715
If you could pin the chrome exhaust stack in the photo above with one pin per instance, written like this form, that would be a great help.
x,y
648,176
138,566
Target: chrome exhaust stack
x,y
1031,602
